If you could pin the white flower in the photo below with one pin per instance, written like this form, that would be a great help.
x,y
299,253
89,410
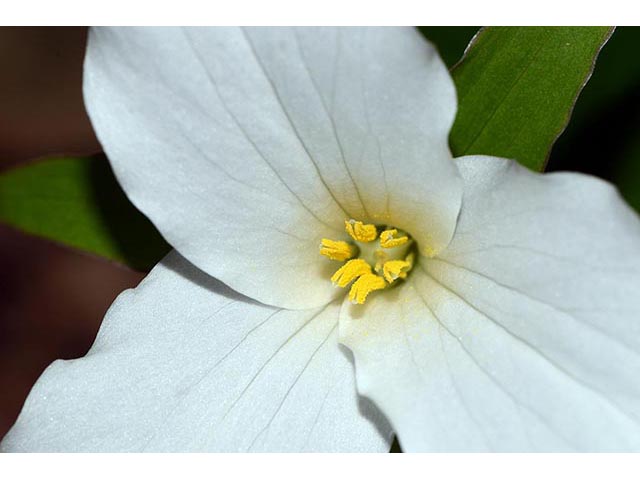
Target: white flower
x,y
516,328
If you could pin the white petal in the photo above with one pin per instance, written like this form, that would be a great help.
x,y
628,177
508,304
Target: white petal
x,y
246,147
524,334
374,107
182,363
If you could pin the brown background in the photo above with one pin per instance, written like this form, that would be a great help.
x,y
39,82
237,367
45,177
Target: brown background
x,y
52,299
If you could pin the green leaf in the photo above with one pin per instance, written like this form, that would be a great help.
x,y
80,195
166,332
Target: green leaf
x,y
450,41
517,87
616,76
77,202
603,138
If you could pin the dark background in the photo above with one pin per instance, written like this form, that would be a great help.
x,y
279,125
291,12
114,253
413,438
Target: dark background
x,y
52,299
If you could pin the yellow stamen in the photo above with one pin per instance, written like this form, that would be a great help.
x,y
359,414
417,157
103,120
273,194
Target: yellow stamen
x,y
361,232
350,271
337,250
364,286
395,269
388,240
379,264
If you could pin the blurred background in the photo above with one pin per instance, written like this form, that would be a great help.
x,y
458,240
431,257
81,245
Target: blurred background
x,y
52,298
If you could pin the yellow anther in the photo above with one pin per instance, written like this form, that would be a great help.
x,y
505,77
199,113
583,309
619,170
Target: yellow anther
x,y
388,239
350,271
364,286
337,250
394,269
361,232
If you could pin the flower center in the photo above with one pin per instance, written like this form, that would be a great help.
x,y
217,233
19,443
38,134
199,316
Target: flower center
x,y
376,257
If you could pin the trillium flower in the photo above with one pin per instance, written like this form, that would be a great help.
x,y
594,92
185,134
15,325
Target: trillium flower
x,y
485,307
